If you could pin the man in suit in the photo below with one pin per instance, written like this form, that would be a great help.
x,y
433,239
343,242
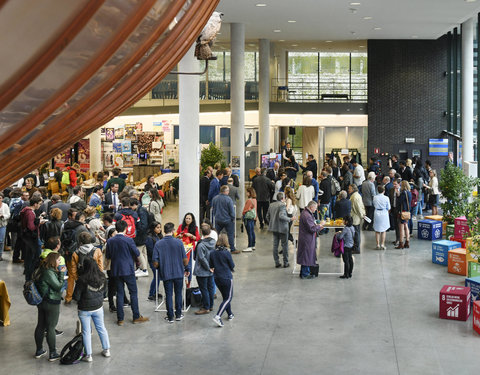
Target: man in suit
x,y
405,172
204,188
311,166
272,173
57,203
233,191
228,174
264,187
278,225
214,188
111,202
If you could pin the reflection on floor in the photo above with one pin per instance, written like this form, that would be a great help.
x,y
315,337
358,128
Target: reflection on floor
x,y
382,321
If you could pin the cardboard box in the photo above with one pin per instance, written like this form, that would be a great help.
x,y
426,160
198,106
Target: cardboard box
x,y
455,302
440,251
476,317
473,269
450,230
429,230
474,284
434,217
461,240
461,227
457,261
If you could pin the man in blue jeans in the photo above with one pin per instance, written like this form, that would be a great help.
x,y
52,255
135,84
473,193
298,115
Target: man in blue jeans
x,y
171,261
224,215
121,250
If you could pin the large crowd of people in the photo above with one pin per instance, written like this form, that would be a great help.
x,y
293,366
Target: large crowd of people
x,y
95,247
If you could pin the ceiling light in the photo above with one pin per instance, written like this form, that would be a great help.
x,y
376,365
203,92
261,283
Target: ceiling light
x,y
313,48
291,21
367,18
361,46
328,41
251,44
355,4
377,28
470,1
260,5
281,40
277,31
294,45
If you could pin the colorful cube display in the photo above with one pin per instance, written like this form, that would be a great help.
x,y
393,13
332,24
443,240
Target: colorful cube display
x,y
473,269
461,227
440,251
429,230
476,317
457,261
460,240
474,284
455,302
450,230
434,217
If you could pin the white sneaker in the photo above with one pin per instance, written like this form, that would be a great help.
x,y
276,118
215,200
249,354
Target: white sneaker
x,y
218,321
248,250
87,358
140,273
106,353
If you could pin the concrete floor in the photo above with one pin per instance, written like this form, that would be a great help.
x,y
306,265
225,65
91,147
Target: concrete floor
x,y
382,321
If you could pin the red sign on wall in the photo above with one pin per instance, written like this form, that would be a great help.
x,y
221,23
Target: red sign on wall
x,y
376,150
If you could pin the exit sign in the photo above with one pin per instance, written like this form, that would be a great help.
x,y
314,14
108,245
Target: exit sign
x,y
409,140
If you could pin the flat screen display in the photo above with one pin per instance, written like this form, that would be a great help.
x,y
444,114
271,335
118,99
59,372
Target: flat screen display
x,y
268,160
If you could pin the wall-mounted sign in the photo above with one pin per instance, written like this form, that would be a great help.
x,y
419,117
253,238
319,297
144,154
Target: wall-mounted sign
x,y
409,140
438,147
376,150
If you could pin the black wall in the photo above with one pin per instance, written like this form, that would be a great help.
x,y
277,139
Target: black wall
x,y
407,95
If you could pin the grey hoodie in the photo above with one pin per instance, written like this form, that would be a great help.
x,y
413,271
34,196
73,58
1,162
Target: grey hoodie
x,y
202,263
85,249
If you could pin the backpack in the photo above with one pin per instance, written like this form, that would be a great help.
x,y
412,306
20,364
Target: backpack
x,y
81,258
73,352
131,225
414,201
30,290
69,242
14,222
335,186
66,178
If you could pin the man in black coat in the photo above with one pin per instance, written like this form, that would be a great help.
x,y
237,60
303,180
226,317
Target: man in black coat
x,y
272,173
264,187
111,202
204,187
311,166
405,172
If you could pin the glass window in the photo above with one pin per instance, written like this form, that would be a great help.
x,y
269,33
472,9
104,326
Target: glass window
x,y
225,137
207,134
176,132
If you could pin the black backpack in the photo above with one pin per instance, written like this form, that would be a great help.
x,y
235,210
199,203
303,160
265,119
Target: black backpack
x,y
81,259
73,351
69,242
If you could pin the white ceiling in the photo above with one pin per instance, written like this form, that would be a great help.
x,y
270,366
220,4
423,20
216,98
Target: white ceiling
x,y
320,20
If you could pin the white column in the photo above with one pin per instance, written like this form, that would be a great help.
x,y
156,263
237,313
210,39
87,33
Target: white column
x,y
468,31
282,67
189,136
95,151
264,95
237,105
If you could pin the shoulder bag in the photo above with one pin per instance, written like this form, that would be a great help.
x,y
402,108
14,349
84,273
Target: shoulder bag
x,y
405,215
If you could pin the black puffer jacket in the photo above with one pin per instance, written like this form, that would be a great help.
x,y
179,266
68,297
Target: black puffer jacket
x,y
88,297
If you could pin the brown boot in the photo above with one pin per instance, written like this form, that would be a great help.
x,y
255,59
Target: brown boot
x,y
400,245
202,311
407,244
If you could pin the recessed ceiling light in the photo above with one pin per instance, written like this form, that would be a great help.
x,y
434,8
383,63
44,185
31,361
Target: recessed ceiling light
x,y
260,5
291,21
470,1
277,31
367,18
361,46
313,48
294,45
355,4
377,28
281,40
251,44
328,41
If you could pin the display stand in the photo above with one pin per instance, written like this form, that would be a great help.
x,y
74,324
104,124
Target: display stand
x,y
158,307
295,242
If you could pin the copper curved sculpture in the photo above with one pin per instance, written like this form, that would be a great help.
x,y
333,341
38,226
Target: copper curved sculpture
x,y
67,90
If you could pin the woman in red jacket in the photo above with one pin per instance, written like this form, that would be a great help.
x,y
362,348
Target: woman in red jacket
x,y
189,234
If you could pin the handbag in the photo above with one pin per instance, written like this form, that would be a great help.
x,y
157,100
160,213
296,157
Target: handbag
x,y
250,214
405,215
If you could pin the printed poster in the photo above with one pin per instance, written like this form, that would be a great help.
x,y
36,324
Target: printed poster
x,y
84,154
119,133
127,147
139,127
130,132
62,159
117,147
129,161
110,134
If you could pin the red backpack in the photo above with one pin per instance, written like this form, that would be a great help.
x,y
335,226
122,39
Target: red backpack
x,y
414,201
131,225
